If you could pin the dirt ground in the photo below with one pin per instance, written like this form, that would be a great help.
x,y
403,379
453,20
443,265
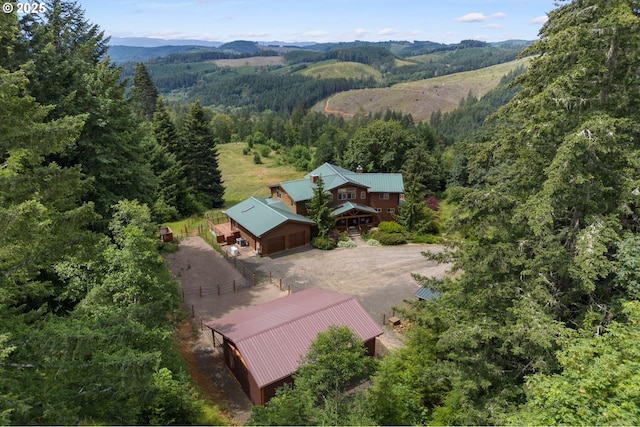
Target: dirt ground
x,y
380,278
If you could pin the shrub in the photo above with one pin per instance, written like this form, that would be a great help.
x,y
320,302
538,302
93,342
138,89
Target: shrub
x,y
324,243
265,151
344,237
390,239
246,151
347,244
426,238
390,227
256,159
373,242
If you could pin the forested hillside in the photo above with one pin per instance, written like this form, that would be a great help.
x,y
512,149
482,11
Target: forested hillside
x,y
192,75
87,306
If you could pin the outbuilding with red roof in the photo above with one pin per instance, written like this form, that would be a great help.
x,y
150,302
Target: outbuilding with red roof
x,y
263,345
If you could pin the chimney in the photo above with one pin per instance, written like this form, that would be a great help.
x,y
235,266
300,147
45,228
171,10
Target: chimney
x,y
359,169
313,178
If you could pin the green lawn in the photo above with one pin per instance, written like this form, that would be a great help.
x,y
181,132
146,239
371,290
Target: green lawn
x,y
242,179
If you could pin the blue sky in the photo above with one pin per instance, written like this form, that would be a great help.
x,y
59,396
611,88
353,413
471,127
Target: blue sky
x,y
445,21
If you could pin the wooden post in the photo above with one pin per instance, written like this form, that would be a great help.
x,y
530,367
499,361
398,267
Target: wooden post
x,y
201,323
289,289
270,281
200,291
234,286
193,312
280,284
384,318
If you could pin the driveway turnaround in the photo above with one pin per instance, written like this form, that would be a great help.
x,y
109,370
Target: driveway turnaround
x,y
379,276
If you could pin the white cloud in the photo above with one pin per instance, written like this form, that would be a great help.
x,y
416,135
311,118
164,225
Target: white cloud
x,y
494,26
360,32
479,17
387,32
538,20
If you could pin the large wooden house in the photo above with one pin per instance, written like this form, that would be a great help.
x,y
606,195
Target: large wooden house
x,y
269,225
358,199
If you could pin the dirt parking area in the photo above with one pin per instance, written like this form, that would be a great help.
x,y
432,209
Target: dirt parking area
x,y
380,277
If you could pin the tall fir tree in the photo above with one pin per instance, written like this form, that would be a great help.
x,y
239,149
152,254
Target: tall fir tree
x,y
318,209
199,156
67,68
144,94
173,190
554,188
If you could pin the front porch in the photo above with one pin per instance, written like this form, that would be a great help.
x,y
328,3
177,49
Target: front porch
x,y
354,218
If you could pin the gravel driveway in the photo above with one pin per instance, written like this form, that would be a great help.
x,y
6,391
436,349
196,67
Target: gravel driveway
x,y
379,277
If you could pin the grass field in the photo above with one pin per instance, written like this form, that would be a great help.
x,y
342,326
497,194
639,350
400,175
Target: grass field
x,y
334,69
242,179
253,61
423,97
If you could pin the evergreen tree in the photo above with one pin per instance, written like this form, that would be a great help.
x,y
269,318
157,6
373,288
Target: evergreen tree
x,y
555,184
414,215
66,69
173,190
199,156
318,209
144,94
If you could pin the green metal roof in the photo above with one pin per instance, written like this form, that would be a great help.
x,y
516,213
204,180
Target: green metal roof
x,y
426,294
380,182
334,177
346,207
259,216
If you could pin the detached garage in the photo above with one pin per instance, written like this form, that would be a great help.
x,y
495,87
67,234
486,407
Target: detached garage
x,y
263,344
269,226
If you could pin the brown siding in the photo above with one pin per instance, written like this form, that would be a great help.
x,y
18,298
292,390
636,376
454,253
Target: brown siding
x,y
359,190
234,361
392,202
290,232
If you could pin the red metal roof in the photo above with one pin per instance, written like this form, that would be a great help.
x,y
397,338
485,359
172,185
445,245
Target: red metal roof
x,y
272,337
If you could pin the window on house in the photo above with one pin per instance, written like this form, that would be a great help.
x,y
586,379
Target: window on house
x,y
384,196
363,195
391,210
278,193
378,210
348,193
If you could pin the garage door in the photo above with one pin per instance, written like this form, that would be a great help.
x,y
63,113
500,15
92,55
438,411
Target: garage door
x,y
296,239
275,244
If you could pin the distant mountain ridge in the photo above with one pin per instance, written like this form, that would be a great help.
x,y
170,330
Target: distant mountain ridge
x,y
141,49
